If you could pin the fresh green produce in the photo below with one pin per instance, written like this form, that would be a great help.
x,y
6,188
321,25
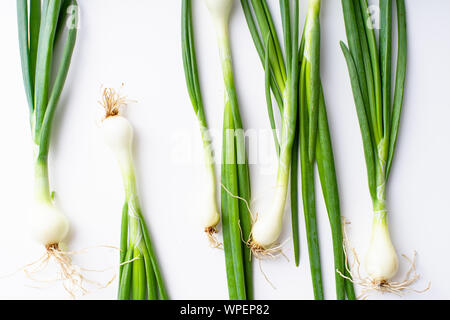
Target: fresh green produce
x,y
369,68
140,276
209,214
41,28
267,228
294,81
235,179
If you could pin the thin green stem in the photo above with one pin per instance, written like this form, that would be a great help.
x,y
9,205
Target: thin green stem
x,y
41,181
35,25
277,87
286,22
125,279
354,44
399,82
123,237
330,190
138,276
274,36
269,98
294,196
312,60
308,195
22,19
385,58
44,63
144,278
63,70
363,121
240,217
152,283
230,211
371,103
349,287
378,132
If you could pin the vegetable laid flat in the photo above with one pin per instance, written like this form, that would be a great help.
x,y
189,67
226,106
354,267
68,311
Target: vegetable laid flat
x,y
369,68
294,80
235,177
267,228
140,277
209,214
41,28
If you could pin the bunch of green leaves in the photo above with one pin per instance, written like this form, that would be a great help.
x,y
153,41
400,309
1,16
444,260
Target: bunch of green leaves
x,y
41,27
312,142
370,70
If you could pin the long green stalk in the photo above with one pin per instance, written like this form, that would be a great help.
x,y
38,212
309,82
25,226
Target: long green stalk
x,y
140,276
235,171
243,174
308,192
309,114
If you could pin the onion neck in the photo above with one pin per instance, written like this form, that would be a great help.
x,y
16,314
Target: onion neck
x,y
223,40
212,213
134,210
312,18
381,258
286,139
126,165
379,203
41,181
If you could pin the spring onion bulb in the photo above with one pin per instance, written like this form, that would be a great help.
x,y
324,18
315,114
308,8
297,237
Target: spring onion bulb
x,y
369,67
40,28
209,214
311,109
220,12
140,277
235,177
49,226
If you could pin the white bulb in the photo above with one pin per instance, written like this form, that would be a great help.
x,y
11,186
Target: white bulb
x,y
381,261
267,228
209,215
219,9
48,224
118,135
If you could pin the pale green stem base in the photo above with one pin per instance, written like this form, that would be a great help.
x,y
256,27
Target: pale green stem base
x,y
41,182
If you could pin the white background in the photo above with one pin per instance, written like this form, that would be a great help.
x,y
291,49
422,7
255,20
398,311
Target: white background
x,y
137,42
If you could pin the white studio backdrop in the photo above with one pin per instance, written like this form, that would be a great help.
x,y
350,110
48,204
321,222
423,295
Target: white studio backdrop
x,y
137,42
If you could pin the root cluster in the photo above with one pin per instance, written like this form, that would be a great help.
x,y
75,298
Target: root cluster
x,y
370,285
213,241
262,253
71,276
112,101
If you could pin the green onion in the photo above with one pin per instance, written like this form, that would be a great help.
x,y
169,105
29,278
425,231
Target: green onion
x,y
369,68
266,230
41,28
209,214
140,276
312,137
235,194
